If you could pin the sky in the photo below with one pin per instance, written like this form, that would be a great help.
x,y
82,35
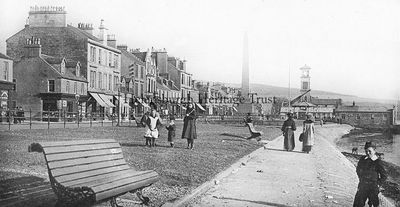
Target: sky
x,y
352,46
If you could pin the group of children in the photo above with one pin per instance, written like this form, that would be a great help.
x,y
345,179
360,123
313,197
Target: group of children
x,y
152,123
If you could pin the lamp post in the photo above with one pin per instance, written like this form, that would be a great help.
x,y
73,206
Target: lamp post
x,y
77,107
119,102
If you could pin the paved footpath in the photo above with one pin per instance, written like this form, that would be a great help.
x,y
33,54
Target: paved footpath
x,y
273,177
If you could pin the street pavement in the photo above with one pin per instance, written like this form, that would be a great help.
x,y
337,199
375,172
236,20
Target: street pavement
x,y
273,177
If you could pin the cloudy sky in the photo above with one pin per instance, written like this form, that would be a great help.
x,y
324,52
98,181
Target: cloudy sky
x,y
352,46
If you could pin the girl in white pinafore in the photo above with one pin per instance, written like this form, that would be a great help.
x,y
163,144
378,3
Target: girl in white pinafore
x,y
152,123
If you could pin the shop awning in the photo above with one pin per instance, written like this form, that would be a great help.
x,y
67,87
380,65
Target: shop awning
x,y
98,99
200,107
234,109
106,99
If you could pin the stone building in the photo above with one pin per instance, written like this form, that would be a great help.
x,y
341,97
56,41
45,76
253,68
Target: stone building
x,y
151,73
48,83
6,83
365,116
134,69
98,57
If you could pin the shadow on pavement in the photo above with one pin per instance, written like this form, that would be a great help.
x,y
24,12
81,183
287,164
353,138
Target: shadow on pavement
x,y
282,150
26,191
257,202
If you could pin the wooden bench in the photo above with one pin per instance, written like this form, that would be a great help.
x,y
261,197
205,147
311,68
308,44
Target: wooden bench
x,y
86,172
253,132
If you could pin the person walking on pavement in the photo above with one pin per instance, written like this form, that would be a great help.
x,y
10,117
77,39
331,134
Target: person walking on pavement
x,y
189,126
308,134
371,175
288,128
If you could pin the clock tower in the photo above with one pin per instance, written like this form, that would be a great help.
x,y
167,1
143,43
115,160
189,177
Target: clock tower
x,y
305,83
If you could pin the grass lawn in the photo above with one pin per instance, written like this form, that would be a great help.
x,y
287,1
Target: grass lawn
x,y
181,170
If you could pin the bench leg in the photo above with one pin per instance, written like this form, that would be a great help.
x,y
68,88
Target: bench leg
x,y
145,200
114,203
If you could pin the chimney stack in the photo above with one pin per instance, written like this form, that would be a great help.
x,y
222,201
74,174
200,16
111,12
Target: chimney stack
x,y
33,47
86,27
123,47
111,41
102,33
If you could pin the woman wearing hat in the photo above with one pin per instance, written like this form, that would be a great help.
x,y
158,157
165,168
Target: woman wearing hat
x,y
308,134
371,175
189,126
288,128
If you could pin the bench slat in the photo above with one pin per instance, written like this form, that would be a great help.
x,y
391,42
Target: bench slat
x,y
76,142
81,181
65,156
107,191
88,167
70,177
106,179
84,160
77,148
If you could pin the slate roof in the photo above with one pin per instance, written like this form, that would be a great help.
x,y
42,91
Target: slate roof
x,y
318,101
133,57
70,67
361,109
303,104
3,56
140,55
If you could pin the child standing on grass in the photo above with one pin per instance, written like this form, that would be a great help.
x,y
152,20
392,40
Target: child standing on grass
x,y
171,131
152,123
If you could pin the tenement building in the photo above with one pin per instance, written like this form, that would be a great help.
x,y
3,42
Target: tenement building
x,y
6,84
47,83
99,58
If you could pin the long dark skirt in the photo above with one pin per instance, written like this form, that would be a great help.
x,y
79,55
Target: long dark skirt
x,y
306,148
288,141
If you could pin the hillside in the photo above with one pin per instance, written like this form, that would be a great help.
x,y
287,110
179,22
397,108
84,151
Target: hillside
x,y
268,90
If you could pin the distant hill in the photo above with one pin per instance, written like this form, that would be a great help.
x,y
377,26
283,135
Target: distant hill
x,y
268,90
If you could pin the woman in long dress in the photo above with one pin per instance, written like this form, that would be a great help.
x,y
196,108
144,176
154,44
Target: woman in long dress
x,y
308,134
189,126
288,128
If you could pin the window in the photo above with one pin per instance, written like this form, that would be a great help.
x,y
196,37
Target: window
x,y
305,85
182,79
105,81
136,89
372,116
15,84
100,56
82,88
142,73
75,87
92,54
116,61
67,87
92,78
141,89
6,70
100,86
51,86
358,116
137,71
115,83
109,82
109,59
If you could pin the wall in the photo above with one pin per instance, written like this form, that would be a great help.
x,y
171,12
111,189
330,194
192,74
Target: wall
x,y
363,119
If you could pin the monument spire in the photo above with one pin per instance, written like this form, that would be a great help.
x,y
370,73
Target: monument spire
x,y
245,68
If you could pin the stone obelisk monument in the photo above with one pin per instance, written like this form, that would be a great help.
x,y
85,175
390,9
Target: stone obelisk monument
x,y
245,69
245,105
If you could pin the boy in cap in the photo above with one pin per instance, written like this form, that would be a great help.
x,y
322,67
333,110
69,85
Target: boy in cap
x,y
371,175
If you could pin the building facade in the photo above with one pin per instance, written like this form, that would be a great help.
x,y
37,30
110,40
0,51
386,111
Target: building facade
x,y
6,83
49,84
99,59
365,116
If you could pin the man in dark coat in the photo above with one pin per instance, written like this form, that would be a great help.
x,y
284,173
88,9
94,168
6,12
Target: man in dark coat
x,y
288,128
371,175
189,126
